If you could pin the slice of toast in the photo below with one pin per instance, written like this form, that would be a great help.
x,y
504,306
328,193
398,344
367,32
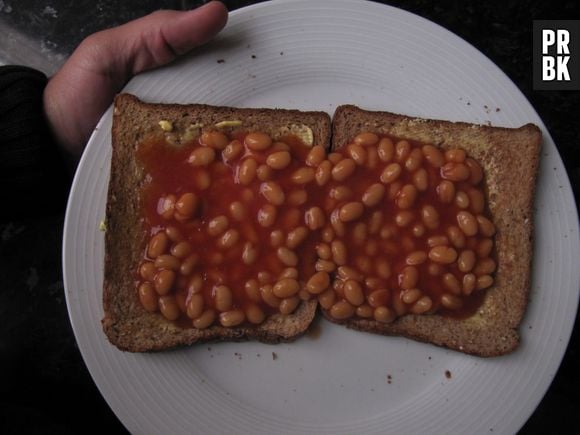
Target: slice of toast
x,y
510,159
126,323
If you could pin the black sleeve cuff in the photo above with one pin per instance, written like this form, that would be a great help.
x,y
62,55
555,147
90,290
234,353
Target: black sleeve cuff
x,y
33,176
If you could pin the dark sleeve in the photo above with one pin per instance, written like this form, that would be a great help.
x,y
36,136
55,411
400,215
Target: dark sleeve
x,y
34,180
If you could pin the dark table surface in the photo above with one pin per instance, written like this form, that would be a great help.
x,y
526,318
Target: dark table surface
x,y
45,386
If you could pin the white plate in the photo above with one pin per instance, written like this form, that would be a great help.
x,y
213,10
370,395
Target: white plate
x,y
309,54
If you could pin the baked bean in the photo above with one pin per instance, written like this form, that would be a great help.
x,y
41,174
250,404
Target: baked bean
x,y
147,270
214,139
187,204
467,223
335,158
343,169
421,180
430,216
414,160
303,175
456,155
375,222
357,153
268,296
217,226
316,156
466,261
485,266
483,282
195,284
353,293
247,194
249,254
412,295
267,215
446,191
164,281
342,310
416,258
476,200
469,283
285,288
366,139
279,160
167,261
384,314
378,298
402,150
407,196
202,179
451,283
174,234
372,157
158,245
289,305
229,239
476,172
291,218
364,311
254,314
195,306
289,272
386,150
215,258
201,156
318,283
404,218
443,254
323,173
485,226
351,211
398,306
340,193
286,256
314,218
232,151
455,171
434,269
433,155
456,236
409,277
168,307
165,206
484,248
181,249
296,237
272,192
205,320
462,199
247,171
323,251
279,146
364,264
238,211
418,230
391,173
326,299
339,252
346,272
223,298
148,297
297,197
264,173
232,318
252,289
258,141
324,266
383,268
423,305
451,302
437,241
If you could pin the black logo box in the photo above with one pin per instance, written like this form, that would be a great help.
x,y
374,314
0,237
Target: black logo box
x,y
573,62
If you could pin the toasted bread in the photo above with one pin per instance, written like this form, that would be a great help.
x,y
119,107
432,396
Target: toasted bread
x,y
510,159
126,323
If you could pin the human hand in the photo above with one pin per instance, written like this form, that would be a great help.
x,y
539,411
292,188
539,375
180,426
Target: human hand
x,y
79,93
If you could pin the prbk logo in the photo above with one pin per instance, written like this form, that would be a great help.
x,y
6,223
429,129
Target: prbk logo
x,y
556,45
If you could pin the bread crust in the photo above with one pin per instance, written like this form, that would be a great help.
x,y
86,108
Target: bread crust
x,y
126,323
510,159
